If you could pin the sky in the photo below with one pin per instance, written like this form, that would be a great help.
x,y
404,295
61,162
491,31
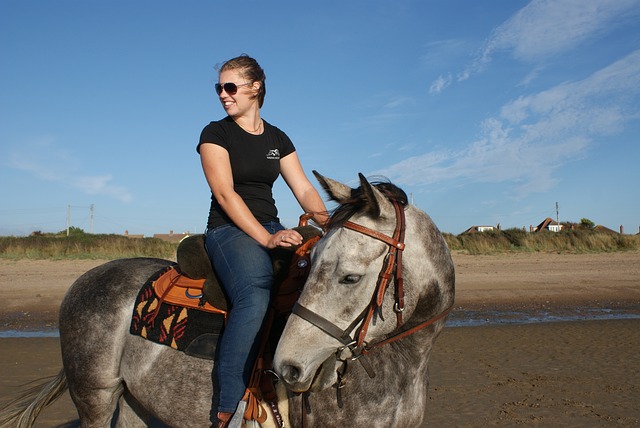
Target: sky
x,y
484,112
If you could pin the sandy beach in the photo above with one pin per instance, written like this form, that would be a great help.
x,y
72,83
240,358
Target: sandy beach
x,y
584,373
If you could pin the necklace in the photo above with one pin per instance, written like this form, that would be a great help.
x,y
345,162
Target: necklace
x,y
254,130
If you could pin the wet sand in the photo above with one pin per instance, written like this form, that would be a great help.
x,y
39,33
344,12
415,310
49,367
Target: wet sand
x,y
548,374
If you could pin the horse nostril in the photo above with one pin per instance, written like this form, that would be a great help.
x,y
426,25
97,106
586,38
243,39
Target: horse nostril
x,y
291,374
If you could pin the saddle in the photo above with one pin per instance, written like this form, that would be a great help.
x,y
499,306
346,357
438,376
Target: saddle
x,y
176,288
192,283
184,306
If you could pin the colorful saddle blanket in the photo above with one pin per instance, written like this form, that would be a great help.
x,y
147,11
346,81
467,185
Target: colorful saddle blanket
x,y
173,313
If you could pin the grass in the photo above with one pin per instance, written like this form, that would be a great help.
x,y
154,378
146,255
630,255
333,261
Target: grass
x,y
80,245
84,246
517,240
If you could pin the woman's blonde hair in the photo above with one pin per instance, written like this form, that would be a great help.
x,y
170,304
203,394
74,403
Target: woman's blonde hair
x,y
250,70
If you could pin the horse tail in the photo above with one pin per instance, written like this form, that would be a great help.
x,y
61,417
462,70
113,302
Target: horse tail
x,y
22,411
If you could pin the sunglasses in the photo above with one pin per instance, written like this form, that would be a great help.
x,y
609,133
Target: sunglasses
x,y
229,87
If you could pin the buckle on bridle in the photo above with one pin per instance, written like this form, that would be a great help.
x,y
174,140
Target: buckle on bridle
x,y
356,357
340,350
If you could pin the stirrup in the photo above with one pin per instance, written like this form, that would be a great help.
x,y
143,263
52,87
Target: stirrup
x,y
238,417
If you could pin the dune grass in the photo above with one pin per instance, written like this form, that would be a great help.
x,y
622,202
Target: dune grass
x,y
84,246
517,240
80,245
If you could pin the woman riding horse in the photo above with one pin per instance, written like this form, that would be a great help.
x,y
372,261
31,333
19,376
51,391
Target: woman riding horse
x,y
242,155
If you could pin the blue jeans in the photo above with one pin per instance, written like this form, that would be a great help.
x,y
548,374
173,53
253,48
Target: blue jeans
x,y
245,271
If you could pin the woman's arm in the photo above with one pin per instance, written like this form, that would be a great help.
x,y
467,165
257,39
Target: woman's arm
x,y
217,170
302,189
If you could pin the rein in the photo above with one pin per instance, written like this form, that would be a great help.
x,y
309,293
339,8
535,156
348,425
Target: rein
x,y
391,268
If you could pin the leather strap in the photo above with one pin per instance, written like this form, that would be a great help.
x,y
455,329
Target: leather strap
x,y
391,268
332,330
374,234
322,323
408,332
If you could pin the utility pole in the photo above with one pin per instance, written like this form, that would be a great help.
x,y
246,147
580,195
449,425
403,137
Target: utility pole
x,y
68,218
557,216
91,220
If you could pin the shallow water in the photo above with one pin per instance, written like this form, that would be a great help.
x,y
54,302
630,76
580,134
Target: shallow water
x,y
19,333
469,318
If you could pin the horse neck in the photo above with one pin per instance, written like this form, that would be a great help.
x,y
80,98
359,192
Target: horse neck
x,y
434,282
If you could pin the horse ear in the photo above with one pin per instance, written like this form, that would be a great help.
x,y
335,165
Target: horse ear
x,y
378,204
373,207
337,191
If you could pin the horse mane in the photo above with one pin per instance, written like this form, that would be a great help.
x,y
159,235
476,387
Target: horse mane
x,y
358,202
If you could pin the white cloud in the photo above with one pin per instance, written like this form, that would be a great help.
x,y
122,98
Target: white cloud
x,y
45,161
440,84
602,102
547,28
544,29
441,52
397,102
533,75
42,159
99,185
535,135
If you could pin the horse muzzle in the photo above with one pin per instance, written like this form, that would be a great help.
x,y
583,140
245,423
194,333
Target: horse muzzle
x,y
299,378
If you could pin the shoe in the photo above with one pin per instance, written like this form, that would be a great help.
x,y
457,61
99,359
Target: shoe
x,y
223,419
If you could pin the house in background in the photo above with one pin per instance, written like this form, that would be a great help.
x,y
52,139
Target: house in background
x,y
477,229
130,235
548,224
601,228
171,237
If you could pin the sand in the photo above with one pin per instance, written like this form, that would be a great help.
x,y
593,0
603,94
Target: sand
x,y
547,374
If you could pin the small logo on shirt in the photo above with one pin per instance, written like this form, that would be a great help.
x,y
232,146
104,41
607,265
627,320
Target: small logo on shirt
x,y
273,154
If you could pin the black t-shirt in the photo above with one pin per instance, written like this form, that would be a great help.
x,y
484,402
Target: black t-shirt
x,y
255,165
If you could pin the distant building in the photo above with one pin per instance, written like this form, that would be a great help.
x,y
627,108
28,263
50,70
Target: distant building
x,y
128,235
477,229
548,224
171,237
601,228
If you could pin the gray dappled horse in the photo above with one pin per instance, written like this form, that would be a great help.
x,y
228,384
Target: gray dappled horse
x,y
352,327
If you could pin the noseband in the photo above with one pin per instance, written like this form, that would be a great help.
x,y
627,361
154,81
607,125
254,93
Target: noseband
x,y
391,268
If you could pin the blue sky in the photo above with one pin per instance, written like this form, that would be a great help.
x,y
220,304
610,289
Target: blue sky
x,y
485,112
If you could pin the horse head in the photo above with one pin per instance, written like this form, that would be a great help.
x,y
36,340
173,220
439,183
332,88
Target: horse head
x,y
347,307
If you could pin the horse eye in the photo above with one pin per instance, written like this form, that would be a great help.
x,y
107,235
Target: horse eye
x,y
350,279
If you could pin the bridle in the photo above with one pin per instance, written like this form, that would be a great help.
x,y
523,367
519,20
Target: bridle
x,y
391,268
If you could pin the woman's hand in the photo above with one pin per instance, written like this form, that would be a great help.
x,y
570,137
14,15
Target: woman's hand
x,y
284,238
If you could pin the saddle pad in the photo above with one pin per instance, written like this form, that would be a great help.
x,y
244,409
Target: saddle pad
x,y
181,328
